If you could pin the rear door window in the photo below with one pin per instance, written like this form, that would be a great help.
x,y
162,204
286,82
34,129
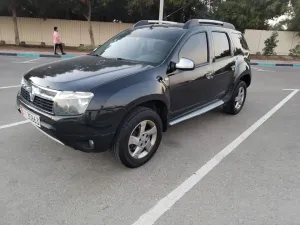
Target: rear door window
x,y
221,45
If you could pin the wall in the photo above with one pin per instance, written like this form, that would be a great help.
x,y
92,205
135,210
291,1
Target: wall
x,y
256,41
73,32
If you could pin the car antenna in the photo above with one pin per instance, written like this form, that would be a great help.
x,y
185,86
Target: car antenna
x,y
151,27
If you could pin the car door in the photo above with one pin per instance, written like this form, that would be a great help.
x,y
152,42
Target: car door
x,y
223,63
190,89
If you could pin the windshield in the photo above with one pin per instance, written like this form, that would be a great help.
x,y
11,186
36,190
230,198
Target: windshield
x,y
150,45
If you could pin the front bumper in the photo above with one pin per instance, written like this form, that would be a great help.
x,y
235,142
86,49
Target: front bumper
x,y
73,131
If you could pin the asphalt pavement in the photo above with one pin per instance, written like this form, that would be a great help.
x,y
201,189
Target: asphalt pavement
x,y
42,182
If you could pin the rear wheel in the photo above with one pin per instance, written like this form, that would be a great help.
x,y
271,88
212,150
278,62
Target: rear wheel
x,y
235,105
138,138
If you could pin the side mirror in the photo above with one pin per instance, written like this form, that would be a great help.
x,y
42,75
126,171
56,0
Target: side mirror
x,y
185,64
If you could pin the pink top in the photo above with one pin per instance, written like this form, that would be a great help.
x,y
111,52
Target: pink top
x,y
56,37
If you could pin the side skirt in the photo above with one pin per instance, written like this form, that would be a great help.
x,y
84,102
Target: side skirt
x,y
197,112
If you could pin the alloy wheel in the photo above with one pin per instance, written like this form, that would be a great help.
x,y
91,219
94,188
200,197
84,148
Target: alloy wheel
x,y
142,139
239,100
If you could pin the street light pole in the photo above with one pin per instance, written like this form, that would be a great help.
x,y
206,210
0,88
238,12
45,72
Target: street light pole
x,y
161,10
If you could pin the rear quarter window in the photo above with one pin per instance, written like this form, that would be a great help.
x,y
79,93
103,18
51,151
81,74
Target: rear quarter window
x,y
240,44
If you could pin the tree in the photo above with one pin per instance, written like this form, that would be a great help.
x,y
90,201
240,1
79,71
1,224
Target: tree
x,y
295,51
293,23
12,7
184,10
271,44
244,14
141,7
88,3
42,8
250,14
175,10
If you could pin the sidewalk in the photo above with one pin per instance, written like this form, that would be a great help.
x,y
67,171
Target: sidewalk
x,y
275,63
38,52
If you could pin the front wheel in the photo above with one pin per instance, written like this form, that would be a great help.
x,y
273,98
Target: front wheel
x,y
235,105
138,138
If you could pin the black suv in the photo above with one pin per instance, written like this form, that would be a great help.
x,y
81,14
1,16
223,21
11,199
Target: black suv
x,y
124,94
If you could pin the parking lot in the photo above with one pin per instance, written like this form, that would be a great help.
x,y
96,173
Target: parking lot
x,y
43,182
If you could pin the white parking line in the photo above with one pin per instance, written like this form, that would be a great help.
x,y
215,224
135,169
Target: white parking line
x,y
290,89
261,70
15,86
29,61
13,124
27,121
166,203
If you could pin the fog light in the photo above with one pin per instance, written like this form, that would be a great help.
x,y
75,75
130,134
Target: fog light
x,y
91,143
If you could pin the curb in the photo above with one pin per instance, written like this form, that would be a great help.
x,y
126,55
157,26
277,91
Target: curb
x,y
37,55
267,64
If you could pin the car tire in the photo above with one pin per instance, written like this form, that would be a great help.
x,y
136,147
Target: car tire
x,y
138,138
237,101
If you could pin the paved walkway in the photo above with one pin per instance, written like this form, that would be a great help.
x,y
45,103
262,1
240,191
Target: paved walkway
x,y
37,50
75,53
276,61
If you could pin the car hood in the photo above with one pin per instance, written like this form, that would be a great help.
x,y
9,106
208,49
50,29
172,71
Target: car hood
x,y
82,73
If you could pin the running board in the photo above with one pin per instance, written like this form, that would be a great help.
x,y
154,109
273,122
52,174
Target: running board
x,y
197,112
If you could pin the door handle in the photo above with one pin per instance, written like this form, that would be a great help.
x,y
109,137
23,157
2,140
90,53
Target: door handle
x,y
209,75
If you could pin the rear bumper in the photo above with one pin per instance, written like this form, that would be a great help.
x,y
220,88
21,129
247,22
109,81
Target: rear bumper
x,y
74,131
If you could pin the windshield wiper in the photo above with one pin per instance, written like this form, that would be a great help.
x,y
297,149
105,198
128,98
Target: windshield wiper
x,y
96,55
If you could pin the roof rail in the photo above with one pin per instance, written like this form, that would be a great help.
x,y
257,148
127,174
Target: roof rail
x,y
148,22
198,22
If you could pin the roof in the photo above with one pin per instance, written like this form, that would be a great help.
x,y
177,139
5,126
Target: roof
x,y
188,25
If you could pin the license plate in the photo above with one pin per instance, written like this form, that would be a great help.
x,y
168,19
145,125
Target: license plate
x,y
35,119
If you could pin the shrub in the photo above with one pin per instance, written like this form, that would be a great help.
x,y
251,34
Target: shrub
x,y
86,48
295,51
271,44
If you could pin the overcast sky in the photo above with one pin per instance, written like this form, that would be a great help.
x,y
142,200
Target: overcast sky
x,y
273,22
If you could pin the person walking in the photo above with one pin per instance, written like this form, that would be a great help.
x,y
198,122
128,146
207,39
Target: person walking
x,y
57,42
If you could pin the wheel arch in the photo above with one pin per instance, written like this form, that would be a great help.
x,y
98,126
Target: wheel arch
x,y
155,102
246,77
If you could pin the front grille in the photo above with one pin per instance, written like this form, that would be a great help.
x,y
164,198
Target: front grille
x,y
38,102
25,94
44,104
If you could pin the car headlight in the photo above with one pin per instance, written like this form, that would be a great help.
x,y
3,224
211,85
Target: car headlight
x,y
71,103
23,82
